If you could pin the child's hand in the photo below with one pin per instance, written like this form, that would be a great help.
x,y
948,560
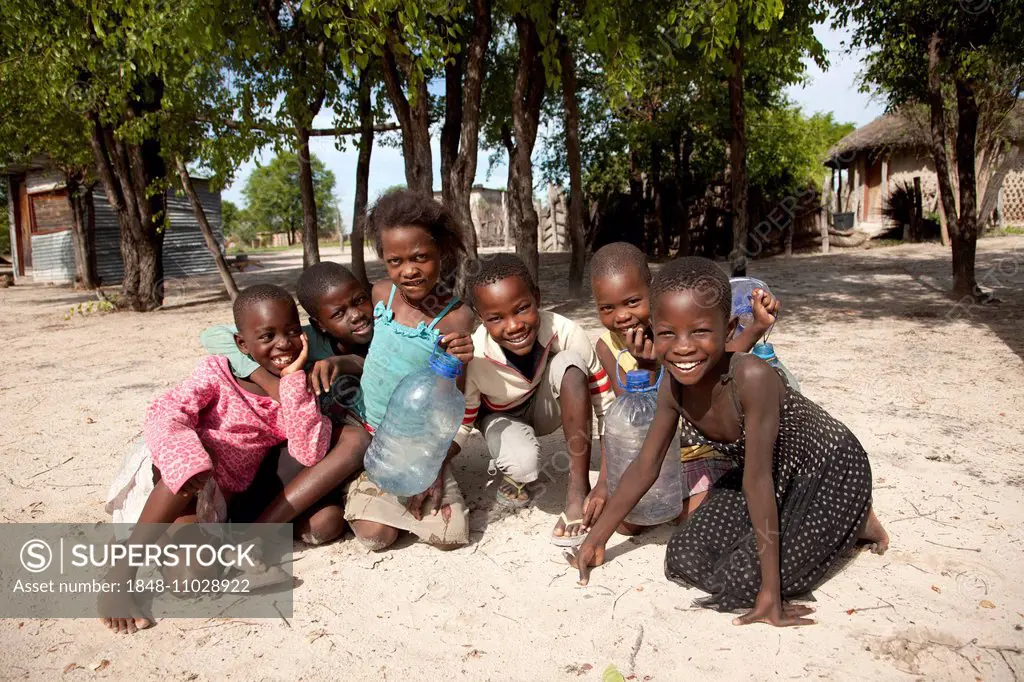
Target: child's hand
x,y
594,504
459,344
771,609
195,485
587,555
300,361
434,494
640,345
765,307
322,376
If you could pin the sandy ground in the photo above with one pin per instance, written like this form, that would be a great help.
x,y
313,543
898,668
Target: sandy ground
x,y
936,397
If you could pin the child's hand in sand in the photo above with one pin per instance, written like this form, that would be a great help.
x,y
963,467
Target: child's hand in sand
x,y
765,308
588,554
300,361
769,608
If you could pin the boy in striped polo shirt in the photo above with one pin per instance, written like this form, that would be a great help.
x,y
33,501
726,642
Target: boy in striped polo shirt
x,y
532,371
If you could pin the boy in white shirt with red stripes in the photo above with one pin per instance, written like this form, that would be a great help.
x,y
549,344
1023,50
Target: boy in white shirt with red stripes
x,y
532,371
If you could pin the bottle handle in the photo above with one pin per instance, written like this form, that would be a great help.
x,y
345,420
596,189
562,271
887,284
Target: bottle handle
x,y
657,383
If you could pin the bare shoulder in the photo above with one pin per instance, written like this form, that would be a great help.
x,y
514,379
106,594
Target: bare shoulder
x,y
461,318
380,291
756,380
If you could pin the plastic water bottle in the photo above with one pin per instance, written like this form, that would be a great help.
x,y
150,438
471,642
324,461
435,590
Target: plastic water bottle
x,y
423,415
625,428
766,352
742,291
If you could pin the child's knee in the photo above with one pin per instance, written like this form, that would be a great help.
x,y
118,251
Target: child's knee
x,y
456,532
324,525
374,536
513,446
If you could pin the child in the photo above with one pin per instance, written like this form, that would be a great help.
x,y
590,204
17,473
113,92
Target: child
x,y
534,371
340,324
339,331
206,437
620,279
801,496
415,311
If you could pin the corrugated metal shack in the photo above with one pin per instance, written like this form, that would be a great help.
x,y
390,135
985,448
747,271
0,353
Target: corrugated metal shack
x,y
40,223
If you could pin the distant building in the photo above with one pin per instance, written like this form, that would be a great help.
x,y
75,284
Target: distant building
x,y
489,208
892,150
40,221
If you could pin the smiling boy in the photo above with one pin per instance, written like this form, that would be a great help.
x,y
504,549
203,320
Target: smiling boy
x,y
533,371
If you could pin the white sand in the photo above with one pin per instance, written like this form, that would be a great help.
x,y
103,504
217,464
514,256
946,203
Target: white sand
x,y
936,401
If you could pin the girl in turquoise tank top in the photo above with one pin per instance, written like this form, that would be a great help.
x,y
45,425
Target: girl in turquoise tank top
x,y
416,309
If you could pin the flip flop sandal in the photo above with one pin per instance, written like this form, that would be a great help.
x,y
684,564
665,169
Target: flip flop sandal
x,y
568,540
509,503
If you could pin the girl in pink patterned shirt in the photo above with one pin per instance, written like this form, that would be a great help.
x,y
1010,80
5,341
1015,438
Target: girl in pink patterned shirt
x,y
206,437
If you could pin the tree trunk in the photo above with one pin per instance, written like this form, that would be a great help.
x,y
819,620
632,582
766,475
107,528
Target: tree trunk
x,y
1014,159
414,116
683,181
574,216
204,227
310,223
362,192
127,172
83,230
939,144
965,236
452,127
526,100
636,201
457,180
738,162
657,231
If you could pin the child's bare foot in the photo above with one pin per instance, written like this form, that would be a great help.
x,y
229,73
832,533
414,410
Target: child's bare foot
x,y
873,535
119,613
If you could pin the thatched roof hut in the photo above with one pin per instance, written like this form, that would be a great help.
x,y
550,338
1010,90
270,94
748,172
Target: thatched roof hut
x,y
905,130
893,150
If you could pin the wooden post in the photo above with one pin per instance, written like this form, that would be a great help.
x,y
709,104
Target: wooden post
x,y
204,227
838,189
943,226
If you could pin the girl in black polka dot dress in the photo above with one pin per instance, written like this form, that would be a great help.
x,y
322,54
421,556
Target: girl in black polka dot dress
x,y
799,500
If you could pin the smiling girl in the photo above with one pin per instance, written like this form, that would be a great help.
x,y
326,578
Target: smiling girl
x,y
801,494
416,310
206,438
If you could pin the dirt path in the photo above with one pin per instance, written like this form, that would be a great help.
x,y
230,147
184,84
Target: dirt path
x,y
934,392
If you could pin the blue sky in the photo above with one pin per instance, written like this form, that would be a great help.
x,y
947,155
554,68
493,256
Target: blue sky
x,y
833,90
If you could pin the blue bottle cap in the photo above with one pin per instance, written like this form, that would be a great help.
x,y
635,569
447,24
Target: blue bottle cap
x,y
637,380
446,365
765,351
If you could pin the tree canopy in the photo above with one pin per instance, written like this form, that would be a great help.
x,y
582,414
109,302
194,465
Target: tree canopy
x,y
274,202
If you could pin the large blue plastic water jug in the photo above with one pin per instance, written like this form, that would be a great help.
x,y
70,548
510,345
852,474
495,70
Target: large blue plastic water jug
x,y
423,415
625,428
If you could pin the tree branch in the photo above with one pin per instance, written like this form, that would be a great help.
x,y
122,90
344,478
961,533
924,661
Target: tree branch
x,y
315,132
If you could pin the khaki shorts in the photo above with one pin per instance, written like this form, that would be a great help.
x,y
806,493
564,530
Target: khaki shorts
x,y
367,502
